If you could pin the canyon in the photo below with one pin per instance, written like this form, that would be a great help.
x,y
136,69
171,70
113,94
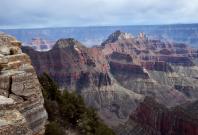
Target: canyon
x,y
137,84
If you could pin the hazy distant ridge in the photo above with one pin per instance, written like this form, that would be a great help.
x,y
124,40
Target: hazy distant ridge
x,y
187,33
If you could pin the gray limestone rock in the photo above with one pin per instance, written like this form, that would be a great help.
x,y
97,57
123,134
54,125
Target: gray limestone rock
x,y
19,85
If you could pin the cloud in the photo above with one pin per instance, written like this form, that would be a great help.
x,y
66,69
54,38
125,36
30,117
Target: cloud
x,y
50,13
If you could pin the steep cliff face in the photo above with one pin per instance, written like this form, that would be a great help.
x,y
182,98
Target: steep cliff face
x,y
71,64
18,82
152,118
12,122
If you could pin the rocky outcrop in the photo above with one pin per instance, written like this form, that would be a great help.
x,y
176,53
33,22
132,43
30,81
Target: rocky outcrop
x,y
18,81
118,35
125,58
12,122
71,64
133,70
145,49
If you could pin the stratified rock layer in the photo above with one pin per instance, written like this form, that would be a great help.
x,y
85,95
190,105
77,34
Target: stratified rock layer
x,y
19,82
12,121
152,118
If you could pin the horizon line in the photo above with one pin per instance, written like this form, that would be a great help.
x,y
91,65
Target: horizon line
x,y
94,26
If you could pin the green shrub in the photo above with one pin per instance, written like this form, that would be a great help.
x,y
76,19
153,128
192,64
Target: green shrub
x,y
72,107
50,88
103,129
53,128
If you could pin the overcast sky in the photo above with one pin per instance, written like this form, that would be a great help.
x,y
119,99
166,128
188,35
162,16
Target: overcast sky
x,y
57,13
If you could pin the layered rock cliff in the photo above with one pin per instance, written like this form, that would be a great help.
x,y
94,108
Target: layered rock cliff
x,y
71,64
166,72
12,122
19,84
140,64
152,118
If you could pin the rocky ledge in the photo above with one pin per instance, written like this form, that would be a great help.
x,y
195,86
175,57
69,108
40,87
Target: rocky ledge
x,y
18,82
12,121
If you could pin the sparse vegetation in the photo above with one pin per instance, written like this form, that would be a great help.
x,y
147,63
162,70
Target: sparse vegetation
x,y
53,128
68,111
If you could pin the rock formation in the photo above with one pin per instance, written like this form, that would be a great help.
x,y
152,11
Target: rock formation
x,y
19,86
86,70
73,66
12,122
152,118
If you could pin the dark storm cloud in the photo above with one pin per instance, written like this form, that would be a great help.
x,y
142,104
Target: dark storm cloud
x,y
49,13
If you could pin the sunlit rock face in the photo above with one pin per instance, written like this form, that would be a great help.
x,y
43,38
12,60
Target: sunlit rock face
x,y
116,77
18,82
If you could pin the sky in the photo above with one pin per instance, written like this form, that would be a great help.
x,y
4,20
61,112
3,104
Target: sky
x,y
69,13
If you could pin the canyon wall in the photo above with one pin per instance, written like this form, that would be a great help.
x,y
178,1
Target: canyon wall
x,y
19,84
152,118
